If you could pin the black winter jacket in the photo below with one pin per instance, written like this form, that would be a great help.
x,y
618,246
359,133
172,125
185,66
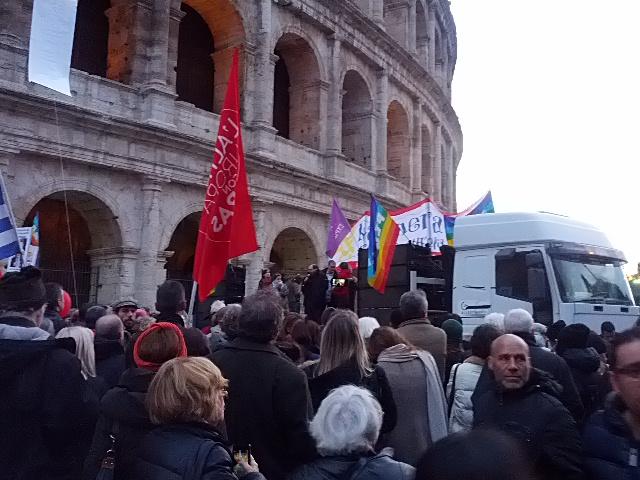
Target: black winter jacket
x,y
41,404
366,467
534,415
584,364
192,451
268,407
611,451
123,413
110,363
349,374
546,361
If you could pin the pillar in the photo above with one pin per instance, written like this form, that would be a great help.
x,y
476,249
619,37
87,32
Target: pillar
x,y
411,26
377,12
147,262
431,31
397,21
259,86
15,26
379,162
334,108
254,262
436,189
222,59
416,151
113,273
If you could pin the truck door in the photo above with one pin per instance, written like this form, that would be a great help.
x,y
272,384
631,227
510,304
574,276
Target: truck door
x,y
472,285
522,281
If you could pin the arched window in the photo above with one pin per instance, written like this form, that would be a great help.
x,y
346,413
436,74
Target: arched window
x,y
302,97
357,120
281,87
91,39
195,72
398,143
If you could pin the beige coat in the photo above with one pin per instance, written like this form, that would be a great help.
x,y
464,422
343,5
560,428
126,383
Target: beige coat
x,y
424,336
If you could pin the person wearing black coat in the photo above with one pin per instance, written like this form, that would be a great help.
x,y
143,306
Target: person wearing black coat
x,y
109,349
611,450
584,363
349,374
41,387
344,361
546,361
186,400
110,361
611,436
171,302
122,410
524,404
317,290
269,405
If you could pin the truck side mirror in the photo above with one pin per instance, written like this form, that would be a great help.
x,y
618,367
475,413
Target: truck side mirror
x,y
537,281
534,259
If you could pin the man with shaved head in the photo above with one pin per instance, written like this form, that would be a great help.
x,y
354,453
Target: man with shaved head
x,y
524,403
109,347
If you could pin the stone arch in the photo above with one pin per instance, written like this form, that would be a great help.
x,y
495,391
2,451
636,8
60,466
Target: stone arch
x,y
24,203
227,31
357,119
297,90
93,226
183,245
426,159
398,143
292,252
422,33
91,39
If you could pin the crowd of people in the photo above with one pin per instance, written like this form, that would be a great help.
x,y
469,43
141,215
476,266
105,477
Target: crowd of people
x,y
265,391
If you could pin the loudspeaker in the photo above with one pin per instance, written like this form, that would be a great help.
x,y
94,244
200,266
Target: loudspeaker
x,y
406,258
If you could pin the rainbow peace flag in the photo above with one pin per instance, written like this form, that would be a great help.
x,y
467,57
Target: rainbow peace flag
x,y
383,236
484,205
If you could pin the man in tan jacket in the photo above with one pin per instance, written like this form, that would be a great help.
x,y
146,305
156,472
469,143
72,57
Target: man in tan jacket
x,y
417,328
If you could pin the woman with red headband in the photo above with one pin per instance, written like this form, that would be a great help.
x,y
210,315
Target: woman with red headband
x,y
124,419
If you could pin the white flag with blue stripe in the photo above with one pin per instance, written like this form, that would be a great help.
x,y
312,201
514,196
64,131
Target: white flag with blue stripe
x,y
9,245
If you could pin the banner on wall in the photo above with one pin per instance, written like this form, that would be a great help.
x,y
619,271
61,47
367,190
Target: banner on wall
x,y
424,224
51,43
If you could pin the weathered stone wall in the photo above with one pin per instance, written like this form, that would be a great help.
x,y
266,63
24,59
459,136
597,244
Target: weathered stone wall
x,y
136,160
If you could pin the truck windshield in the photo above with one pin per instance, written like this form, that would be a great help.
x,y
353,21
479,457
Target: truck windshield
x,y
590,280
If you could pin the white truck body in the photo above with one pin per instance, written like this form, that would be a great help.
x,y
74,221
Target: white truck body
x,y
552,266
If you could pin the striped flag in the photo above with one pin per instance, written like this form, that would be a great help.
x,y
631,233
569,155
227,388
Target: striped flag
x,y
9,245
383,236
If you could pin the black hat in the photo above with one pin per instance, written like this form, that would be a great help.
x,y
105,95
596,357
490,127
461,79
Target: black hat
x,y
575,335
22,290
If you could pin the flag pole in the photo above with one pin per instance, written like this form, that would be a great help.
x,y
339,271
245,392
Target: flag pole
x,y
7,202
192,304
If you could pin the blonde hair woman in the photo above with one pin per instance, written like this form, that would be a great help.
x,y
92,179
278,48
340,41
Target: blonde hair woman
x,y
344,361
186,400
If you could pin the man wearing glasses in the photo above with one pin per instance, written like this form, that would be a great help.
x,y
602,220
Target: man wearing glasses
x,y
524,403
612,436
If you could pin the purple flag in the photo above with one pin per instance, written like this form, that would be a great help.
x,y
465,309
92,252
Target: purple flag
x,y
339,228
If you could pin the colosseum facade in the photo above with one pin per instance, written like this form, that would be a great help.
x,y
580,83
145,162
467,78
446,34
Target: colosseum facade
x,y
340,98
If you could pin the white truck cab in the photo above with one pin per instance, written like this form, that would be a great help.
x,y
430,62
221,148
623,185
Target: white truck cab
x,y
554,267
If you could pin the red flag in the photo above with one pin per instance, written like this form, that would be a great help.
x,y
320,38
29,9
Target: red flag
x,y
226,227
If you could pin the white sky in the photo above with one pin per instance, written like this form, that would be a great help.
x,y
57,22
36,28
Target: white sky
x,y
548,95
